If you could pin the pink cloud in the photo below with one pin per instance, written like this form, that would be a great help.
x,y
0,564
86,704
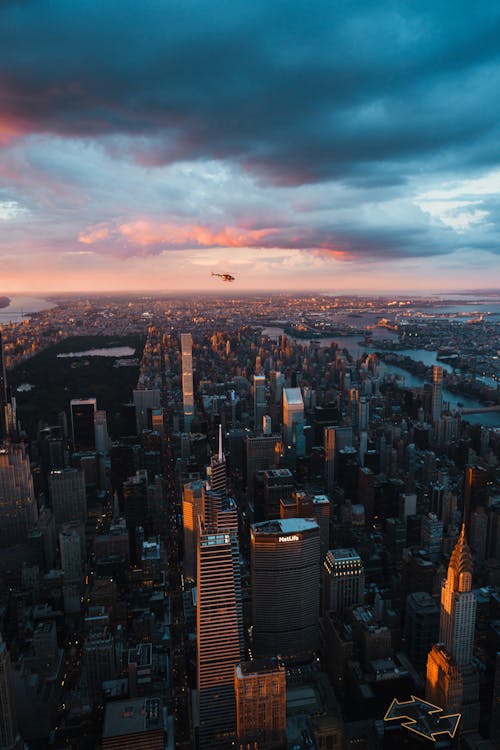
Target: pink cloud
x,y
146,237
97,233
10,129
146,233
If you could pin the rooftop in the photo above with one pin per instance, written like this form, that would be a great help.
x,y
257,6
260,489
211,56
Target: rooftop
x,y
259,665
285,526
132,716
344,553
293,396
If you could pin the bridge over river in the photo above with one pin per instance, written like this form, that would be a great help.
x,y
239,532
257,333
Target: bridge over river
x,y
480,409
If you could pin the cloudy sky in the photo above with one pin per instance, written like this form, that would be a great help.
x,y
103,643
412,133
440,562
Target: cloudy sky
x,y
297,145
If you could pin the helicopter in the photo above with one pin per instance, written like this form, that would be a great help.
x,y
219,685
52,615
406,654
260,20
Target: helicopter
x,y
224,276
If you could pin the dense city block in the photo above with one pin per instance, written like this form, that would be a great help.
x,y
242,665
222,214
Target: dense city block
x,y
252,522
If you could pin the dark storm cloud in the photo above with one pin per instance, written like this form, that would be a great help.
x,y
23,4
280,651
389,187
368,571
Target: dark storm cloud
x,y
294,91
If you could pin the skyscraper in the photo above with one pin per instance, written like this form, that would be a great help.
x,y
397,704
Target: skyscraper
x,y
452,679
146,401
329,439
219,621
99,660
82,423
187,379
72,547
192,508
437,393
101,432
343,580
259,400
476,490
7,711
67,495
293,413
285,570
18,511
431,537
421,626
261,452
335,439
218,471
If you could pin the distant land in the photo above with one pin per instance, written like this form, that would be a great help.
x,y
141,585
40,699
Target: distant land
x,y
4,302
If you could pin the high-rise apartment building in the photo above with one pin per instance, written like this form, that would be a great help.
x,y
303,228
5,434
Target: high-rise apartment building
x,y
82,423
452,678
259,400
220,641
187,379
285,570
260,688
7,710
343,580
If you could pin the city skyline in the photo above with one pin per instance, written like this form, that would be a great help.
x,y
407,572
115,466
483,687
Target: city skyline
x,y
336,148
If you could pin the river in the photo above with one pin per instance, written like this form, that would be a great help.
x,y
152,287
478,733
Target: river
x,y
22,306
356,347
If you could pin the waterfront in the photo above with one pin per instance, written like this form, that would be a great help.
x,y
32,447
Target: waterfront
x,y
356,348
22,306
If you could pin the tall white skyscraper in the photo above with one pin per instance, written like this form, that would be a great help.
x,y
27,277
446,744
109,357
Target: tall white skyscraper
x,y
187,379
